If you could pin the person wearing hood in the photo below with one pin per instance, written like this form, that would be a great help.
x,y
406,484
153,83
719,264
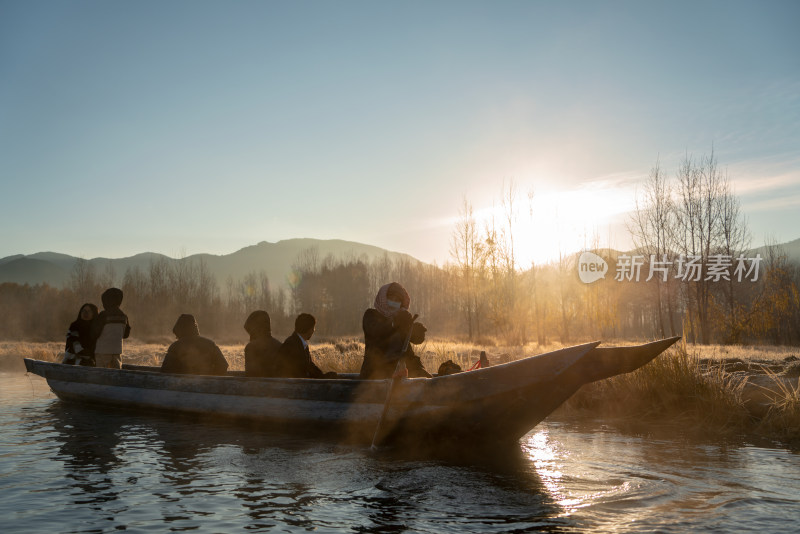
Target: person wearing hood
x,y
109,328
261,354
386,326
193,354
80,343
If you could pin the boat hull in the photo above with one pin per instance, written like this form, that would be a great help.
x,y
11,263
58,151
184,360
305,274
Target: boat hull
x,y
499,403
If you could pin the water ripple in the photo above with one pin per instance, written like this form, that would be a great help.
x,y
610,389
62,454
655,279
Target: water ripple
x,y
66,468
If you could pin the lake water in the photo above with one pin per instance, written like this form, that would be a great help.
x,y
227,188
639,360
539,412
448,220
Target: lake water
x,y
66,468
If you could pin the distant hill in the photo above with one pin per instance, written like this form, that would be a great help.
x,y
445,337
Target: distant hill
x,y
29,270
10,258
791,249
275,259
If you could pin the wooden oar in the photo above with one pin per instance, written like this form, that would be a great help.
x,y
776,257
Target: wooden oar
x,y
399,371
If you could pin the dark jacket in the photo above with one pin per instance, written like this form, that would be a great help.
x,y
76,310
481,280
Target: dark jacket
x,y
191,353
110,326
295,360
79,339
261,357
261,354
383,348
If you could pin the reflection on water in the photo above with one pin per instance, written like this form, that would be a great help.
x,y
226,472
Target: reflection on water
x,y
632,483
66,468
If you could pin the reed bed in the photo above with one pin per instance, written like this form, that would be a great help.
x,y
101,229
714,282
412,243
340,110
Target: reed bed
x,y
783,416
12,353
345,354
677,386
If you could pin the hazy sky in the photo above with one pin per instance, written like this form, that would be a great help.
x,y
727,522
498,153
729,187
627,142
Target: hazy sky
x,y
186,126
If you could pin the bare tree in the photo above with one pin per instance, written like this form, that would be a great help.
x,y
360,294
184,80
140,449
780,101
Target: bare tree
x,y
109,277
467,251
708,223
509,203
535,290
566,286
83,281
518,308
651,227
734,241
307,262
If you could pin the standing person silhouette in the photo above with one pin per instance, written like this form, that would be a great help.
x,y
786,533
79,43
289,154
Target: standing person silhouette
x,y
109,328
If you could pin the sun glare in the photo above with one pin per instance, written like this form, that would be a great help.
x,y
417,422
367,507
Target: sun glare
x,y
560,222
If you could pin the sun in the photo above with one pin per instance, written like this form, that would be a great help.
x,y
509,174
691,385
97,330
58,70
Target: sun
x,y
559,222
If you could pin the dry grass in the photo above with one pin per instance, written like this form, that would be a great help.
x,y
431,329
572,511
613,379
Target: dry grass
x,y
746,352
341,355
783,417
344,355
675,386
12,353
686,388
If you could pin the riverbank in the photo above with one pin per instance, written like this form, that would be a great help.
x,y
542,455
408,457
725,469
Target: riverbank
x,y
703,391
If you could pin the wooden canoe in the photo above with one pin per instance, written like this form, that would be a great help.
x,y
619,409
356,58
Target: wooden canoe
x,y
494,404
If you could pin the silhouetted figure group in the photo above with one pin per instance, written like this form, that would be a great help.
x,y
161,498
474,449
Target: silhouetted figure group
x,y
265,356
95,339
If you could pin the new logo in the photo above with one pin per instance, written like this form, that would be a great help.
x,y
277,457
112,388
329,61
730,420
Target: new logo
x,y
591,267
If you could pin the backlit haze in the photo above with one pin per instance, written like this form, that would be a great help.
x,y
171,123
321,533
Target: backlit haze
x,y
186,126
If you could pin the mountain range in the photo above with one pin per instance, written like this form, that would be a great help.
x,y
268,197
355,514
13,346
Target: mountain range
x,y
791,249
275,259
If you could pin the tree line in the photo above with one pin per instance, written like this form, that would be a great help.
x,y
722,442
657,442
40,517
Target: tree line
x,y
691,273
335,290
690,237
